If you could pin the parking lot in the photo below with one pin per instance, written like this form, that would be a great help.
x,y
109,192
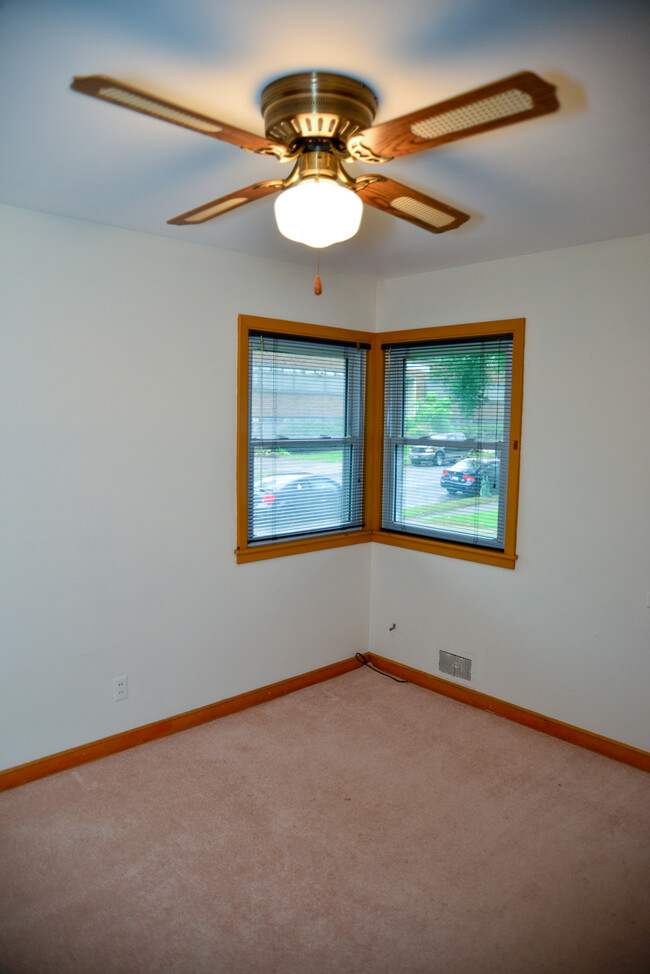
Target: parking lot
x,y
421,484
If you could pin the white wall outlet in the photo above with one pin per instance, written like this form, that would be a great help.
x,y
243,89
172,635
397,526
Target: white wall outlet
x,y
120,688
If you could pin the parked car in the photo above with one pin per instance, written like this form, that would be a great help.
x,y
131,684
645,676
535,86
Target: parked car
x,y
437,453
291,503
468,476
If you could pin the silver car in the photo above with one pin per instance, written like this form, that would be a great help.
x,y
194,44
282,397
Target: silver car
x,y
447,447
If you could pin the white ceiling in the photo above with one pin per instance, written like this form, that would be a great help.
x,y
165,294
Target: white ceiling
x,y
575,176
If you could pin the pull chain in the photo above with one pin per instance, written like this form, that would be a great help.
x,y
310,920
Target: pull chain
x,y
318,286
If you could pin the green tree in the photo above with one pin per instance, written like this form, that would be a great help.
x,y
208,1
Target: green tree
x,y
433,415
469,374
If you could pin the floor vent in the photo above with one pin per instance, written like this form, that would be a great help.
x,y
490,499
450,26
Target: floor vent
x,y
458,666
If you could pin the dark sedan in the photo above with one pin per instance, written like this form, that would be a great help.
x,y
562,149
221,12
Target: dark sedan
x,y
294,503
472,476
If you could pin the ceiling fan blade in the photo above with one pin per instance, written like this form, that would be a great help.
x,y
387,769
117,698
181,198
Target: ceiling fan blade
x,y
409,204
230,202
107,89
512,99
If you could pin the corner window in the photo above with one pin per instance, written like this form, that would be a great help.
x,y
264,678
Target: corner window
x,y
452,408
332,451
301,465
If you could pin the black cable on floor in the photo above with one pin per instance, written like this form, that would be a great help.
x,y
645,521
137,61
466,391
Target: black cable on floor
x,y
362,659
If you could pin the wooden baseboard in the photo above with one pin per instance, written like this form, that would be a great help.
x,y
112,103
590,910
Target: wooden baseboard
x,y
574,735
72,758
33,770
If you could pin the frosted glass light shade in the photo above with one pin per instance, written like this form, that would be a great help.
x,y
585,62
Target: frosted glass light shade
x,y
318,212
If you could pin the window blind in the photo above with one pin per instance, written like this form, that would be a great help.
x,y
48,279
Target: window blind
x,y
305,437
446,439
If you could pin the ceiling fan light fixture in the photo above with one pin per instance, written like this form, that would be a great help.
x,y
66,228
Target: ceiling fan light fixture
x,y
318,212
321,120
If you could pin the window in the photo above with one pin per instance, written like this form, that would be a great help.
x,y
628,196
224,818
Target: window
x,y
301,466
315,470
452,409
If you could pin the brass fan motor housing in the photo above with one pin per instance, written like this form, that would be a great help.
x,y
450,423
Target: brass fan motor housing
x,y
316,105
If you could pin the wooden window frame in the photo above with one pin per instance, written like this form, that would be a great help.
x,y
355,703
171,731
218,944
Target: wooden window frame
x,y
474,330
246,551
374,413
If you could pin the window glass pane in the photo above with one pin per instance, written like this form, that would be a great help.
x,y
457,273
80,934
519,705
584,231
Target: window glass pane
x,y
300,492
305,455
446,440
297,389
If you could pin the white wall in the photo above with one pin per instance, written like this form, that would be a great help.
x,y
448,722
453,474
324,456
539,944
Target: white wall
x,y
117,485
117,490
567,633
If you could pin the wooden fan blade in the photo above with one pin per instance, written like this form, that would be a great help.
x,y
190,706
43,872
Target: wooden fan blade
x,y
504,102
408,204
107,89
226,203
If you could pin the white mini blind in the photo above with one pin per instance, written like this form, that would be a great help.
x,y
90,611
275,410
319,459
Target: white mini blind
x,y
305,437
447,438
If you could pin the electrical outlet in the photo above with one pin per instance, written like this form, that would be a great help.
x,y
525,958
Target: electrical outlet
x,y
120,688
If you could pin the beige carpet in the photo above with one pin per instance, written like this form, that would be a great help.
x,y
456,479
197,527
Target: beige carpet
x,y
356,826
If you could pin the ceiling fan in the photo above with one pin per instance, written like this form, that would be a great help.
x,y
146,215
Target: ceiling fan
x,y
319,121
